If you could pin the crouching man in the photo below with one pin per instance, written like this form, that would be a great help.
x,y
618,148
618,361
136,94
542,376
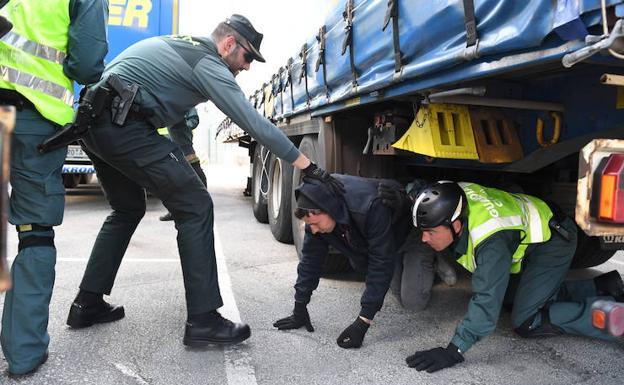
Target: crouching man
x,y
493,234
356,224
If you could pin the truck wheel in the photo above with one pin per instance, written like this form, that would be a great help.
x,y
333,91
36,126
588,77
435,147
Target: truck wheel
x,y
260,183
71,180
86,178
588,252
334,262
279,202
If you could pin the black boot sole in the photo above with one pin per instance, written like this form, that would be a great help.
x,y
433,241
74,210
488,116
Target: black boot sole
x,y
76,322
198,342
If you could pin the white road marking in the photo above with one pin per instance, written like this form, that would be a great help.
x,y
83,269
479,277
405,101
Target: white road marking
x,y
130,373
615,262
238,367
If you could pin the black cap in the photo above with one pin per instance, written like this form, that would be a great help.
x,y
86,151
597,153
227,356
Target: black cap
x,y
243,26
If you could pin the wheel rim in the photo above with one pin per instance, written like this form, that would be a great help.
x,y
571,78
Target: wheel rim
x,y
276,184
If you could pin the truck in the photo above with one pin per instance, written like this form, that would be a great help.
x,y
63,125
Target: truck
x,y
525,96
128,22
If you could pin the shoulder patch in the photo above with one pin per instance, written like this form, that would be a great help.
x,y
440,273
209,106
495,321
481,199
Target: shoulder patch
x,y
190,49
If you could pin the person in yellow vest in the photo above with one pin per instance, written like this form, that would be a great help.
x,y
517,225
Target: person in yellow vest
x,y
52,43
495,234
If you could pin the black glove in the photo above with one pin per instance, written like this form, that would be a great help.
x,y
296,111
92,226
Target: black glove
x,y
396,199
315,172
353,335
435,359
299,318
200,173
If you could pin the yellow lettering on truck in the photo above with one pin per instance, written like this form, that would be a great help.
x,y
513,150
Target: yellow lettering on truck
x,y
129,13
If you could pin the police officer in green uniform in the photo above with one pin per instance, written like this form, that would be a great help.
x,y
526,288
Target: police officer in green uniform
x,y
173,74
52,43
495,234
181,134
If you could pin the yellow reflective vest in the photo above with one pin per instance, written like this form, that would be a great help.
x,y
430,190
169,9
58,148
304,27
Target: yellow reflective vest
x,y
491,210
32,54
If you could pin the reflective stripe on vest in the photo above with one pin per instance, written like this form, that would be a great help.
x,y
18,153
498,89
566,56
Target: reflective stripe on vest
x,y
23,79
34,48
491,210
32,55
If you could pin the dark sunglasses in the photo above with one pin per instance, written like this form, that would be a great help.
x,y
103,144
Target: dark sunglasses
x,y
301,213
248,55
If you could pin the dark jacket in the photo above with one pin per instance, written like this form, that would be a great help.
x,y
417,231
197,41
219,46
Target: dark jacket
x,y
364,233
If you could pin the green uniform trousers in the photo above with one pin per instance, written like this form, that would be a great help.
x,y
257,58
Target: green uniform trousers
x,y
37,197
133,158
542,283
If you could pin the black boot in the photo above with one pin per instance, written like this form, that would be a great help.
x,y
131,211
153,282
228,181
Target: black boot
x,y
90,308
211,328
610,284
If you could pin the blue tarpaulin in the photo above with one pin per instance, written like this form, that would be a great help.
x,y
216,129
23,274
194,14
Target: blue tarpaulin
x,y
432,40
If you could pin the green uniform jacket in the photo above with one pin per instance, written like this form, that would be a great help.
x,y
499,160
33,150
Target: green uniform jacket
x,y
489,284
176,73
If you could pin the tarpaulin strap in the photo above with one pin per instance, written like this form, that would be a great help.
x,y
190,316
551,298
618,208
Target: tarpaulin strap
x,y
280,74
393,13
472,40
275,85
348,41
304,69
289,65
321,58
35,241
263,98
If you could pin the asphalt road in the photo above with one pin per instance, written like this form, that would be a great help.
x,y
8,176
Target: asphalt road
x,y
146,346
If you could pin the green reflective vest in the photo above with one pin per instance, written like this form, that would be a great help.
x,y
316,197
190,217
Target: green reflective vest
x,y
491,210
32,54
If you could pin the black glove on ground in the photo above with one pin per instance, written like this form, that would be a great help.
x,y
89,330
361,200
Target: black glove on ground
x,y
315,172
353,335
200,173
396,199
435,359
299,318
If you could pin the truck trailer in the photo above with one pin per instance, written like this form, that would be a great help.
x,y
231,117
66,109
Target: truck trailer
x,y
525,96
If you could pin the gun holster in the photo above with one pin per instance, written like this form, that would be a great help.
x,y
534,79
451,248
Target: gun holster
x,y
555,222
122,101
114,94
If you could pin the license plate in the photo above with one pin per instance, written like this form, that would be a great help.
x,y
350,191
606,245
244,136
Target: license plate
x,y
75,152
612,242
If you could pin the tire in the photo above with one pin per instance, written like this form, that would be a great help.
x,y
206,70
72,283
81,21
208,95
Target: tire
x,y
588,252
279,200
86,178
260,184
334,262
71,180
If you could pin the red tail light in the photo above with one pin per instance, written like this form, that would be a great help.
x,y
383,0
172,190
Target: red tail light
x,y
611,190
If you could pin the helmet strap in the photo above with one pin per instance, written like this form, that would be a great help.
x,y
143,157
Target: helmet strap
x,y
455,234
